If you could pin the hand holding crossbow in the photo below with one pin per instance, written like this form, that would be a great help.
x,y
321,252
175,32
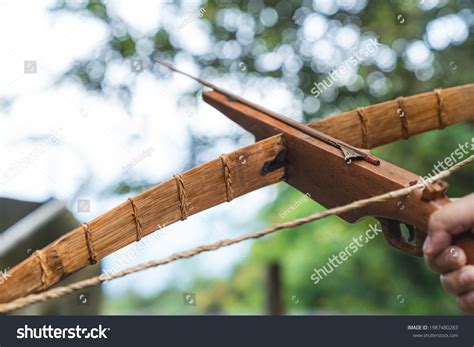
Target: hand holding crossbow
x,y
323,159
314,166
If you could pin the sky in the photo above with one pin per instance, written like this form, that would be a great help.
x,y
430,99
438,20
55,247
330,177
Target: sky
x,y
55,137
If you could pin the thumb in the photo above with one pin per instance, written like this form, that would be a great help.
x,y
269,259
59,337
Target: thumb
x,y
452,219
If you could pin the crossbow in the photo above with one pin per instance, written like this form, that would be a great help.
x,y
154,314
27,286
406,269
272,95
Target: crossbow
x,y
328,160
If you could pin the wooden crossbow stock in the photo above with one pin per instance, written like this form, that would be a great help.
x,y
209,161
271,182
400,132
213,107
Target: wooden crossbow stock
x,y
319,158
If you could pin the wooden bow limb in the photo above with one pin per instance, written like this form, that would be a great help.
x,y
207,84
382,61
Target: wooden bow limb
x,y
390,121
315,167
61,291
422,111
204,187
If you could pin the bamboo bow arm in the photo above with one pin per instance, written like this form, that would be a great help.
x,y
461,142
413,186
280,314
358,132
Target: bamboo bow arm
x,y
198,189
390,121
221,180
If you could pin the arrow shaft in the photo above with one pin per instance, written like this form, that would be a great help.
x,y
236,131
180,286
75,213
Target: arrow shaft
x,y
349,151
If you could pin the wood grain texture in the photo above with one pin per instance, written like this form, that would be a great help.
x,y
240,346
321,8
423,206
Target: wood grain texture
x,y
384,124
205,185
319,169
157,207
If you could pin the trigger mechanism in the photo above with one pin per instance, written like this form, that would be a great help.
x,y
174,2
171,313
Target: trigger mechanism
x,y
411,243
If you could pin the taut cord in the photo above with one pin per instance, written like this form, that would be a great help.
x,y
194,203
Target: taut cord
x,y
94,281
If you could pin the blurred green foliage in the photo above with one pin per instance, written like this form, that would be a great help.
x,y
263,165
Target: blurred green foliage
x,y
378,279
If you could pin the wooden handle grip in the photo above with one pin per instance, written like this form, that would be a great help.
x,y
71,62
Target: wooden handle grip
x,y
466,242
